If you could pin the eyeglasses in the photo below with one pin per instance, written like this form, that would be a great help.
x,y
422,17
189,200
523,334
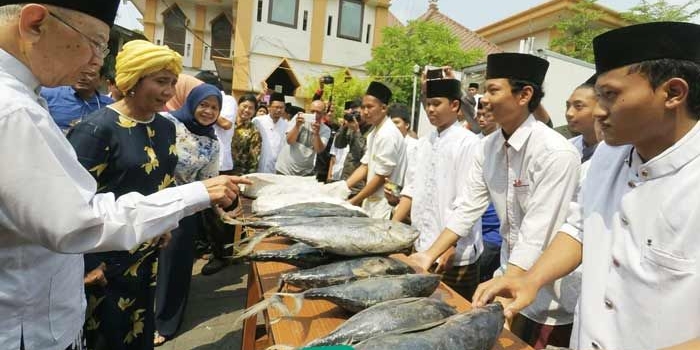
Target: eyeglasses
x,y
99,49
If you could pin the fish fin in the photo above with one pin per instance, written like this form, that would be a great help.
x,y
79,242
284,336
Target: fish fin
x,y
298,301
255,309
253,241
231,221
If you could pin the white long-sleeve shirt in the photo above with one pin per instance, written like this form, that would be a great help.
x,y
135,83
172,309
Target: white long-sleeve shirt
x,y
530,179
638,223
49,214
229,108
442,159
273,137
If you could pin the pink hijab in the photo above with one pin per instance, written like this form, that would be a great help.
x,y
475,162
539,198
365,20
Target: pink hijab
x,y
185,84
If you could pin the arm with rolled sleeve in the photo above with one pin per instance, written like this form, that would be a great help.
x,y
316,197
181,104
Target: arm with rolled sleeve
x,y
472,194
554,183
48,198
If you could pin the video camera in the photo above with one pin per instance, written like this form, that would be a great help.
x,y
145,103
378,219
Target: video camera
x,y
327,80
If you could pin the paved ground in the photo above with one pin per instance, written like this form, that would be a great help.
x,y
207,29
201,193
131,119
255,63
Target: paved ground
x,y
214,304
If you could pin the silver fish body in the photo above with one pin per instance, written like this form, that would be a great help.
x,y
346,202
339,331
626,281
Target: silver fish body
x,y
388,316
346,271
299,254
477,329
316,209
359,295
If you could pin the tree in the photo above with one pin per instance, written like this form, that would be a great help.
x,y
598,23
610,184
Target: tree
x,y
419,42
661,11
576,32
345,88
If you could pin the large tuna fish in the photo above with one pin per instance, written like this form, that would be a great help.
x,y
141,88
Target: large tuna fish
x,y
343,236
289,214
299,254
346,271
477,329
354,296
407,313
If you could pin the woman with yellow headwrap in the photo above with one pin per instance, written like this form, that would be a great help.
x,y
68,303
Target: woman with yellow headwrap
x,y
129,147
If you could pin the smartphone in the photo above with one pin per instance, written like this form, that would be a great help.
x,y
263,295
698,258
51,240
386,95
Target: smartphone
x,y
278,88
309,118
433,73
266,99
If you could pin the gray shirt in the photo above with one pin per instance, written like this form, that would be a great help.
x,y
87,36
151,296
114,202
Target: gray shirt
x,y
299,158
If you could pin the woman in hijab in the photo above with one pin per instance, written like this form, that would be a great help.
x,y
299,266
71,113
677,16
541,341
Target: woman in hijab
x,y
198,159
129,147
246,142
185,84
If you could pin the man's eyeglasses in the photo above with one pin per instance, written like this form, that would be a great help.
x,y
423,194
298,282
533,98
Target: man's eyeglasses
x,y
100,49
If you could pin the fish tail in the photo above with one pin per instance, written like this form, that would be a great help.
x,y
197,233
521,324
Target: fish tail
x,y
252,242
298,301
274,301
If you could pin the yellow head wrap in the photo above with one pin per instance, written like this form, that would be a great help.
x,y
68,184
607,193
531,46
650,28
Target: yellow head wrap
x,y
139,58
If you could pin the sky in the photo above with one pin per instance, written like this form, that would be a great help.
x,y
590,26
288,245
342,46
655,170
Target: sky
x,y
477,14
128,16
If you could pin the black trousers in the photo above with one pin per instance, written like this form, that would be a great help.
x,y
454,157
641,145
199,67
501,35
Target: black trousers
x,y
174,276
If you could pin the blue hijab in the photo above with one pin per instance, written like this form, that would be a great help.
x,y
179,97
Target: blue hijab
x,y
186,113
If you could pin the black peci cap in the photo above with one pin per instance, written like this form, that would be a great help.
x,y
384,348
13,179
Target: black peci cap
x,y
380,91
104,10
276,96
449,88
474,85
516,66
645,42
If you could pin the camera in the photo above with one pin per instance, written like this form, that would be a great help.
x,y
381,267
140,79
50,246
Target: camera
x,y
353,116
328,80
434,73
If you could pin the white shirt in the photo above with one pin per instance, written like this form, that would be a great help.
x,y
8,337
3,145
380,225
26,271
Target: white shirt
x,y
386,156
299,159
339,154
229,108
638,223
411,147
530,179
49,214
273,138
577,141
434,185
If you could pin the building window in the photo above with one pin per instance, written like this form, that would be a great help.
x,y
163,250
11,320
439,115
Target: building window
x,y
305,21
260,6
350,19
175,31
221,31
329,26
283,12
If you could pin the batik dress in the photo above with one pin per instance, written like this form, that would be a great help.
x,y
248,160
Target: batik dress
x,y
245,148
124,155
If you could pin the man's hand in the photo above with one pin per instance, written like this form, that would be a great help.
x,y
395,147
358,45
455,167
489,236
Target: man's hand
x,y
422,260
446,260
353,125
520,289
96,276
389,195
315,128
223,190
164,240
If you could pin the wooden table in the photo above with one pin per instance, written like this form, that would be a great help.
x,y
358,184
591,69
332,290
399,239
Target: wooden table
x,y
319,317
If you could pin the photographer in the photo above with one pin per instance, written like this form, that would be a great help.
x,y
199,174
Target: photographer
x,y
306,136
353,135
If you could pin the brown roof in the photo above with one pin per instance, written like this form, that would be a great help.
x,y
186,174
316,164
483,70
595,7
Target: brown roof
x,y
468,39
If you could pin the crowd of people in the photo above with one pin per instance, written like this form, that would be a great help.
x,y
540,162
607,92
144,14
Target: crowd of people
x,y
105,198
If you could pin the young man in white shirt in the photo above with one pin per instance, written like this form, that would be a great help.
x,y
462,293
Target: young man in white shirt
x,y
385,157
272,128
579,116
528,171
430,189
49,212
305,139
634,226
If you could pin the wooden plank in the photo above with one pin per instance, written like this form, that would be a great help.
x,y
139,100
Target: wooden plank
x,y
317,318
